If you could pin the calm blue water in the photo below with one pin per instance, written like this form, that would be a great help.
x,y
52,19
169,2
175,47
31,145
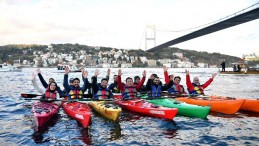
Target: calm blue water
x,y
18,128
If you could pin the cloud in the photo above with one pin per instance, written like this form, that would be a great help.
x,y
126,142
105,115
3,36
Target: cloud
x,y
120,24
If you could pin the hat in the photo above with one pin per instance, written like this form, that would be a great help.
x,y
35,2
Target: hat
x,y
136,77
76,79
71,80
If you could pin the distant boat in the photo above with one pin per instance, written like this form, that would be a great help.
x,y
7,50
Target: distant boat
x,y
8,67
241,67
72,68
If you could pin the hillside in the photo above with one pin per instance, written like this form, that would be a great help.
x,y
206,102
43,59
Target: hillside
x,y
9,53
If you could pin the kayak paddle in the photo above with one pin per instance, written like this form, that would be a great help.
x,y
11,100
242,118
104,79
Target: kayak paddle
x,y
25,95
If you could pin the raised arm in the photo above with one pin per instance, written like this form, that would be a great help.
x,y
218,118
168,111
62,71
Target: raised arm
x,y
188,80
35,85
65,81
167,79
86,82
120,85
142,80
108,74
42,80
205,85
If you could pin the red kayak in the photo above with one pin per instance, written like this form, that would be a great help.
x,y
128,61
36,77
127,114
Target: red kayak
x,y
43,112
78,111
146,108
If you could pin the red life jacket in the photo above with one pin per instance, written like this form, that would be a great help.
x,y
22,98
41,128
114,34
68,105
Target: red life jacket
x,y
52,95
130,92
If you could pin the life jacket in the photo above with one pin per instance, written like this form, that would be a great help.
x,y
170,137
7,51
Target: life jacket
x,y
176,89
156,91
102,93
76,93
130,92
52,95
198,89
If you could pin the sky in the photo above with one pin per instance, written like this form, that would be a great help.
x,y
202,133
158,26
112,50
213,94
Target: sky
x,y
122,24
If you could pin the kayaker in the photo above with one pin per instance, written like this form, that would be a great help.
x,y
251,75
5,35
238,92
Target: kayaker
x,y
50,93
45,84
129,90
100,90
137,81
75,91
150,81
155,87
195,87
173,83
174,87
114,86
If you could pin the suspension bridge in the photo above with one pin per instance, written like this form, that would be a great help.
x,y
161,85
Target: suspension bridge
x,y
243,16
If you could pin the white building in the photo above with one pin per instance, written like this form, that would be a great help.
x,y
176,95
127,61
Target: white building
x,y
151,63
126,65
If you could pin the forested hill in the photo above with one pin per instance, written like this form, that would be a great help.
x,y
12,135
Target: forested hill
x,y
9,53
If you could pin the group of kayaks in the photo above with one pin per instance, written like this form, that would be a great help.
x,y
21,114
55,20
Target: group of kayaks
x,y
164,107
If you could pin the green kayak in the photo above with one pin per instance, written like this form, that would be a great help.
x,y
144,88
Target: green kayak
x,y
184,109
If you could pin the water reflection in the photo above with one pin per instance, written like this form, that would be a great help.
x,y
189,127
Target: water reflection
x,y
37,136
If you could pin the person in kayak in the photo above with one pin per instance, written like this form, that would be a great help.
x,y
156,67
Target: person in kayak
x,y
101,90
195,87
75,91
129,90
173,83
48,94
114,86
137,81
45,84
155,87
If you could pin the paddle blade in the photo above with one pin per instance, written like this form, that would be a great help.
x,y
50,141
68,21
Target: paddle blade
x,y
25,95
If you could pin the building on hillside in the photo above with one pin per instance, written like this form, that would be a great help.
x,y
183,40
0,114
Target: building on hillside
x,y
151,63
106,65
126,65
203,65
178,54
168,65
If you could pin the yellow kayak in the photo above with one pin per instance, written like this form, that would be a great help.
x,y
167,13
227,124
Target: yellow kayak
x,y
106,109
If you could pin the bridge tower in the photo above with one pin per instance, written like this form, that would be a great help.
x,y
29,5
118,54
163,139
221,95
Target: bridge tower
x,y
150,36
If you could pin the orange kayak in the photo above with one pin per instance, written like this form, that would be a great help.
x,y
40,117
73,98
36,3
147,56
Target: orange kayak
x,y
219,104
251,105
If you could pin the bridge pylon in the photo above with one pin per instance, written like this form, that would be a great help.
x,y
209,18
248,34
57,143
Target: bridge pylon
x,y
150,36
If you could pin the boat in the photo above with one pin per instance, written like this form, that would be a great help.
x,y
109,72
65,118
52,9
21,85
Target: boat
x,y
242,68
251,105
78,111
184,109
218,104
43,112
7,67
72,68
106,109
145,108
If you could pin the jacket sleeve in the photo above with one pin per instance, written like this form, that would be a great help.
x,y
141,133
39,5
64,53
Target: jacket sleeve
x,y
120,85
205,85
141,83
86,85
111,95
94,85
35,85
167,80
188,82
148,85
43,82
65,83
